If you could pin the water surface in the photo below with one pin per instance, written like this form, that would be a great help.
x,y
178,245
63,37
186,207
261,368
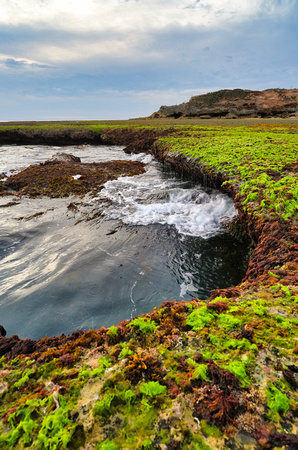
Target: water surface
x,y
158,238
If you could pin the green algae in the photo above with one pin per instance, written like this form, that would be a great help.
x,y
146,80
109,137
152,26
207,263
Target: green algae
x,y
103,407
112,331
138,406
25,378
276,400
152,389
210,430
201,372
143,324
238,368
107,445
104,363
199,318
261,158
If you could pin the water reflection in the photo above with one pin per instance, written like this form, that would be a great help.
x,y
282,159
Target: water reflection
x,y
59,277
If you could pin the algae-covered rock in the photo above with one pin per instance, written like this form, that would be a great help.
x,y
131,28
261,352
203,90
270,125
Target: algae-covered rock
x,y
215,374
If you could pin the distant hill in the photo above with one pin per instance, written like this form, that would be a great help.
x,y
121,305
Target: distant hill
x,y
234,103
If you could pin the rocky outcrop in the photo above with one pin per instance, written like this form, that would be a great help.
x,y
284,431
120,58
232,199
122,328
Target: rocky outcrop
x,y
235,103
65,175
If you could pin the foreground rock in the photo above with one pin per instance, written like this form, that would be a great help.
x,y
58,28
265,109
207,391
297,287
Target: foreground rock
x,y
64,175
235,103
213,374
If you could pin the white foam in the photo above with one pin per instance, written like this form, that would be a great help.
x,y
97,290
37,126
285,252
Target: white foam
x,y
146,199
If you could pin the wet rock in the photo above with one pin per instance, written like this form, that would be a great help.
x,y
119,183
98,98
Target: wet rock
x,y
2,331
61,156
58,178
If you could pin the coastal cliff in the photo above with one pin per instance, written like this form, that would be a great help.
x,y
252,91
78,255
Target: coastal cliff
x,y
235,103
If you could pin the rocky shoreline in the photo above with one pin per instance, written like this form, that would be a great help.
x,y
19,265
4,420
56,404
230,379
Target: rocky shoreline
x,y
215,374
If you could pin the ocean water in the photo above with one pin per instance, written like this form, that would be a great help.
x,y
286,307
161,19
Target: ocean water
x,y
154,237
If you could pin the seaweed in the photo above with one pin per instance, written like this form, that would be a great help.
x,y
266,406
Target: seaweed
x,y
276,400
214,405
143,324
141,365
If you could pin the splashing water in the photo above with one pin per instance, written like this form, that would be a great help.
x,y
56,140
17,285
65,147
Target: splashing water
x,y
158,238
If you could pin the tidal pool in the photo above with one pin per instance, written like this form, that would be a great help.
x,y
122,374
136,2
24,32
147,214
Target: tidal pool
x,y
153,237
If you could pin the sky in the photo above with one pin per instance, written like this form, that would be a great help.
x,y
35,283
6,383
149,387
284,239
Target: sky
x,y
122,59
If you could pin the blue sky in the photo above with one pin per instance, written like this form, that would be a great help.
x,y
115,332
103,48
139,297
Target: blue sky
x,y
119,59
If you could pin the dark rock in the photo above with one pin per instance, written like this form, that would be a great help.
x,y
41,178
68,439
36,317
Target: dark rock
x,y
2,331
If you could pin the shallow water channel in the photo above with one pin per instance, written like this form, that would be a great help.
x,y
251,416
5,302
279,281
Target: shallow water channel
x,y
153,237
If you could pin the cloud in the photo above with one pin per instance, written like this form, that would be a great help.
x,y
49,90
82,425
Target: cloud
x,y
62,32
20,64
151,51
143,15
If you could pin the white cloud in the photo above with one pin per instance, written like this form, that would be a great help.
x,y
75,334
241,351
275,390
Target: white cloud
x,y
142,15
144,52
65,31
